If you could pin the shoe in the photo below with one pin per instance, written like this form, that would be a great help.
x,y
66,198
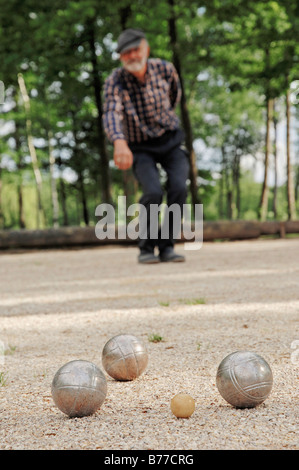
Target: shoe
x,y
169,255
148,258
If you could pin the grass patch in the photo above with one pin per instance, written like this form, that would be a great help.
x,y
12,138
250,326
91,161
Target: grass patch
x,y
164,304
2,379
194,301
10,350
199,301
155,338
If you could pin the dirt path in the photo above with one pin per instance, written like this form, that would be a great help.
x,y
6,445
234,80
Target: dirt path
x,y
56,306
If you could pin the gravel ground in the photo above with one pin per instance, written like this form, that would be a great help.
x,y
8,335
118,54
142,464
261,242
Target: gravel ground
x,y
56,306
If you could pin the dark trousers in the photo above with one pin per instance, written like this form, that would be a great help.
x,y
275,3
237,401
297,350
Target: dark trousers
x,y
168,152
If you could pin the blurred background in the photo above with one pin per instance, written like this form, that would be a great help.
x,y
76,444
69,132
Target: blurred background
x,y
239,67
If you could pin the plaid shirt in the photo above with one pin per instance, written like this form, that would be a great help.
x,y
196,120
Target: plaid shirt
x,y
137,111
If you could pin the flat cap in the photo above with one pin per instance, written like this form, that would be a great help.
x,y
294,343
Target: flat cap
x,y
129,39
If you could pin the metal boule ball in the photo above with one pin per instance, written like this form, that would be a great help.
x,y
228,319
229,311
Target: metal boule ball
x,y
79,388
244,379
124,357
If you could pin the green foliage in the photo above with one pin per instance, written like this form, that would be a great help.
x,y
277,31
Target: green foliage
x,y
3,379
155,338
199,301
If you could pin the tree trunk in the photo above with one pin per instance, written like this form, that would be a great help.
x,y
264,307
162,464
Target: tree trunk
x,y
236,183
63,201
125,14
229,197
275,163
184,108
263,210
97,86
297,183
19,176
55,204
229,194
290,183
38,178
83,198
80,173
221,185
1,211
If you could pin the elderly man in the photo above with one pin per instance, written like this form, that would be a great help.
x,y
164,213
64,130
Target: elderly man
x,y
140,121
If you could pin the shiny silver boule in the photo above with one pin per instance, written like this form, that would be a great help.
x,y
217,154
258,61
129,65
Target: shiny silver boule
x,y
79,388
244,379
124,357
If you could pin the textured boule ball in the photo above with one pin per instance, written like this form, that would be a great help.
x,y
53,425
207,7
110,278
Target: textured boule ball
x,y
124,357
182,405
244,379
79,388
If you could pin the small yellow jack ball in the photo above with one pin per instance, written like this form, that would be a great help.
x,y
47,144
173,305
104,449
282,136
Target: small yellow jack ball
x,y
182,405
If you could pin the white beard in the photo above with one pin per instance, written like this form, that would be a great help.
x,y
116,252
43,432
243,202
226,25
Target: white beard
x,y
135,66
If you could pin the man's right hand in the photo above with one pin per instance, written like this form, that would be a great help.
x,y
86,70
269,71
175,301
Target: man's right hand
x,y
123,157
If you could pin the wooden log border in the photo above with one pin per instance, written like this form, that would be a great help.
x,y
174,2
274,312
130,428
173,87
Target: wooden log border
x,y
66,237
